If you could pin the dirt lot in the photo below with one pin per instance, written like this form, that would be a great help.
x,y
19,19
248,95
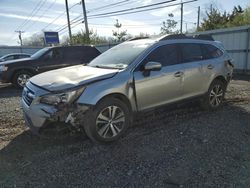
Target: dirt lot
x,y
180,147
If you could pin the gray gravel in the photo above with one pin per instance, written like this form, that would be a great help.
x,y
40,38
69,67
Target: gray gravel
x,y
170,147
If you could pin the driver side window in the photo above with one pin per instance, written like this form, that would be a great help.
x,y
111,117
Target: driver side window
x,y
53,54
166,55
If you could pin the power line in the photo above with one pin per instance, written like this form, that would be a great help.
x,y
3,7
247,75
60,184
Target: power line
x,y
29,16
126,11
135,8
35,12
131,12
45,11
60,15
112,5
108,6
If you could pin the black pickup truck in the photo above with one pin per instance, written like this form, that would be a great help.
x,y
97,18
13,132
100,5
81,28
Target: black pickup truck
x,y
19,71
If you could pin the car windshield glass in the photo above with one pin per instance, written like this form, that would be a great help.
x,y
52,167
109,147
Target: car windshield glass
x,y
39,53
119,57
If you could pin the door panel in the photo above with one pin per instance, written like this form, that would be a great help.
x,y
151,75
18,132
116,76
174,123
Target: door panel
x,y
163,86
159,88
53,59
194,78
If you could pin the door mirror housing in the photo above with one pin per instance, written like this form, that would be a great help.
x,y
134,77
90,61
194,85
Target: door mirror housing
x,y
152,66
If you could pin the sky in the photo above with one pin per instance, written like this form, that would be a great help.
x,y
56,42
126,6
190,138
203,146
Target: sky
x,y
36,16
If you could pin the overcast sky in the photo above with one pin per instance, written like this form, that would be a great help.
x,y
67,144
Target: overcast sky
x,y
14,15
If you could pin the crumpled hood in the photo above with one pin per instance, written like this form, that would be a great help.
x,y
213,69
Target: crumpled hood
x,y
15,61
69,77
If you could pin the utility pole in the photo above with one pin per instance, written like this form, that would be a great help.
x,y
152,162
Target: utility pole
x,y
85,19
20,38
186,27
181,16
198,18
67,10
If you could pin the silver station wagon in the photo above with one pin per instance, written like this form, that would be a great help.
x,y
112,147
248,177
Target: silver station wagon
x,y
103,96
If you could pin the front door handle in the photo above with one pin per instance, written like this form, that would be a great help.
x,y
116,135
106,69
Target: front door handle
x,y
178,74
210,66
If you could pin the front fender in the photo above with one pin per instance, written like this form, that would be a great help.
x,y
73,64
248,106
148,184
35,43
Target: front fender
x,y
113,86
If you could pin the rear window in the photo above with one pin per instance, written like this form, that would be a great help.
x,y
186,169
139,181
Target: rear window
x,y
191,52
210,51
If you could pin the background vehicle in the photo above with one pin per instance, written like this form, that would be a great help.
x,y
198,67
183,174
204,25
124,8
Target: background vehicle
x,y
19,71
14,56
131,77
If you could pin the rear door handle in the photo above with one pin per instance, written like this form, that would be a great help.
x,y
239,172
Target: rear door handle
x,y
178,74
210,66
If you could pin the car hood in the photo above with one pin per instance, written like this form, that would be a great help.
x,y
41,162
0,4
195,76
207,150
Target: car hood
x,y
69,77
15,61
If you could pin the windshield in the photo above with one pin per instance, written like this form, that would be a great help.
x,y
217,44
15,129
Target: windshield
x,y
119,57
39,53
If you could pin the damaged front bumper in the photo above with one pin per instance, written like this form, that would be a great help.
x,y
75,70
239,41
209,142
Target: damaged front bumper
x,y
38,115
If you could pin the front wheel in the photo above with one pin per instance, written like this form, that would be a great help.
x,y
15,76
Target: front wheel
x,y
215,95
107,121
21,78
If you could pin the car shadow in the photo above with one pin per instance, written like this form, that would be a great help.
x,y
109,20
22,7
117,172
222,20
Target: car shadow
x,y
175,139
8,90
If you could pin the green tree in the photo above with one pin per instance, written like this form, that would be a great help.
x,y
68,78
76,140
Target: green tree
x,y
36,39
168,26
81,38
119,35
215,19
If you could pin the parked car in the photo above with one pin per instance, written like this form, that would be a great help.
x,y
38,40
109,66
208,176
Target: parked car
x,y
135,76
20,71
14,56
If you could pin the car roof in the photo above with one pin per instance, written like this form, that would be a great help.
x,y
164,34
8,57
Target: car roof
x,y
6,55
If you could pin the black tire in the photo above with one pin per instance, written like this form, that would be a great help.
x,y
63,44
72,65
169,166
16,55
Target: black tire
x,y
212,101
95,126
16,78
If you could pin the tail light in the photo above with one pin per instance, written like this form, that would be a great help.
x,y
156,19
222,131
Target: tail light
x,y
229,63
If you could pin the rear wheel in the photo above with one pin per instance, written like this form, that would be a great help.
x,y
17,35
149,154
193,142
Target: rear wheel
x,y
107,121
21,78
215,95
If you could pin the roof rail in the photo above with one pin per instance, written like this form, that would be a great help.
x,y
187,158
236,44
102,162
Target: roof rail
x,y
183,36
137,38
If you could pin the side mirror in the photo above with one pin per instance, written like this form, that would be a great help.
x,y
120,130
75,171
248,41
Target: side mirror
x,y
152,66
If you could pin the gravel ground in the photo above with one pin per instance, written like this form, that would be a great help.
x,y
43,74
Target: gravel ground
x,y
170,147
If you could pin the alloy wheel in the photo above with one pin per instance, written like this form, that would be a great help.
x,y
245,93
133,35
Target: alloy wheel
x,y
22,79
216,96
110,121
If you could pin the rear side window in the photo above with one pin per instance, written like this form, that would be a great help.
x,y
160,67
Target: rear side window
x,y
11,57
55,53
89,53
23,56
82,54
166,55
191,52
210,51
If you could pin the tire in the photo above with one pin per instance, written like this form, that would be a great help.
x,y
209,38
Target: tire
x,y
108,121
215,96
21,77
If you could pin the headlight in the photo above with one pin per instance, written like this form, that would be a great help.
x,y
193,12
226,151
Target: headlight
x,y
67,97
3,68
